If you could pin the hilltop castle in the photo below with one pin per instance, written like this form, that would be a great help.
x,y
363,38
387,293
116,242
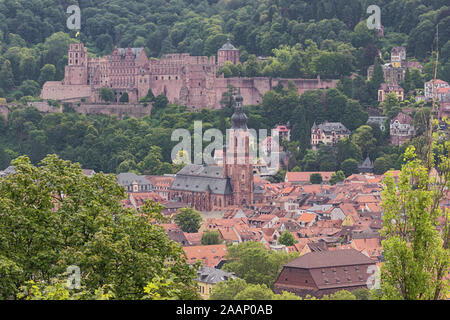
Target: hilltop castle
x,y
184,79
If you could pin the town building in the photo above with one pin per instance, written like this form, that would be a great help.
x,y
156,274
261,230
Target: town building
x,y
379,120
438,84
328,133
398,54
386,88
325,272
284,132
161,184
394,71
304,177
134,183
444,103
212,256
208,277
366,166
227,53
401,129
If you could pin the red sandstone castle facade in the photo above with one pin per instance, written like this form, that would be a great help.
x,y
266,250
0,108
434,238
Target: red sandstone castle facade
x,y
184,79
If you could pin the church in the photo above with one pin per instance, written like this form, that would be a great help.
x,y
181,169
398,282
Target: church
x,y
212,187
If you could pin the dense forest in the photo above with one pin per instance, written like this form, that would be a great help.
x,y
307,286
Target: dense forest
x,y
329,37
298,38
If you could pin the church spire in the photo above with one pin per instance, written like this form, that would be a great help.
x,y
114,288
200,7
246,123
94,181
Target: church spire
x,y
239,119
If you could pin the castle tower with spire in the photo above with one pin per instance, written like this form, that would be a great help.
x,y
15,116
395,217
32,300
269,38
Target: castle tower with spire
x,y
237,164
76,71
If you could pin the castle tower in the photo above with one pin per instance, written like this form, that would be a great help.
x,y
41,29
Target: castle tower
x,y
236,158
227,53
76,71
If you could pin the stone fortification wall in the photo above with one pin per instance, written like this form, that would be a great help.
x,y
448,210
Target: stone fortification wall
x,y
56,90
253,89
121,110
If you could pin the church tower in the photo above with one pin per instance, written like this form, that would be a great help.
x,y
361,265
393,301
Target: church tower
x,y
237,164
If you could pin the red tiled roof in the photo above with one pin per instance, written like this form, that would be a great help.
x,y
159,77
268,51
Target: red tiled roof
x,y
307,217
305,176
210,255
371,246
194,238
403,118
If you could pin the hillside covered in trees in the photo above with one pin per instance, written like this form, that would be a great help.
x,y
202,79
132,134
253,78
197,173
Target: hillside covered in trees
x,y
297,38
329,38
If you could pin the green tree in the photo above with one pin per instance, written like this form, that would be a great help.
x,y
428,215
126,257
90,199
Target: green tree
x,y
4,158
152,162
150,94
47,73
346,149
107,95
391,105
255,292
415,246
30,88
227,290
377,79
252,262
408,83
364,139
62,217
251,66
349,167
339,176
160,102
210,237
189,220
287,239
315,178
362,294
124,98
340,295
383,164
7,78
